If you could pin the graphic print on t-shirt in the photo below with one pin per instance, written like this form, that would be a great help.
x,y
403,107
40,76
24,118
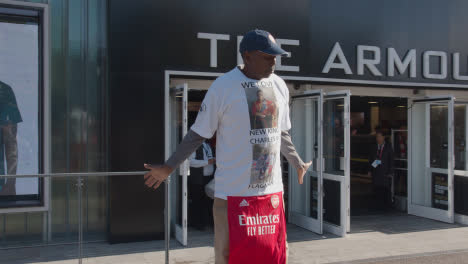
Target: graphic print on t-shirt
x,y
262,164
264,133
263,111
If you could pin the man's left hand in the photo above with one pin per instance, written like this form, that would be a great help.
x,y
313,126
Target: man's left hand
x,y
156,175
302,171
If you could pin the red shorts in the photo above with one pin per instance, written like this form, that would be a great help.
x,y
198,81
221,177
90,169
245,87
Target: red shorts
x,y
257,229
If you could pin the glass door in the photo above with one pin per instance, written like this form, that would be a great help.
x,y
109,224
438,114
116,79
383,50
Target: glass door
x,y
336,159
399,182
178,118
431,164
305,200
460,177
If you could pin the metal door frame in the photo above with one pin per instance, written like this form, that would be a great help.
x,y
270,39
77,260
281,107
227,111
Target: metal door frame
x,y
309,223
460,218
424,211
181,231
345,222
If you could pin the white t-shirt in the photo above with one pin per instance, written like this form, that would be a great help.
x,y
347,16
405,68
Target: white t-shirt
x,y
248,116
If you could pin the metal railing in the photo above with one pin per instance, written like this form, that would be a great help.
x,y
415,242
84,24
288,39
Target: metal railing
x,y
79,183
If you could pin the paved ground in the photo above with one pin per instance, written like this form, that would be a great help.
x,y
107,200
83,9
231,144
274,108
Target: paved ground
x,y
457,257
383,239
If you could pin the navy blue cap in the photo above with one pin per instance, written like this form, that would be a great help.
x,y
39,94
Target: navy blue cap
x,y
261,40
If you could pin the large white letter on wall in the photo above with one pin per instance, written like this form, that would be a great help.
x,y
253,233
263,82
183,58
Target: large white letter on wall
x,y
342,62
279,65
456,68
394,60
427,65
213,45
369,63
239,56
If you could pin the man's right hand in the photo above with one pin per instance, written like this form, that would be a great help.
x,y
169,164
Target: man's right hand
x,y
211,161
302,171
156,175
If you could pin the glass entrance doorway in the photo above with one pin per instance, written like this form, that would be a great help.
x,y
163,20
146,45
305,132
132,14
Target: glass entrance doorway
x,y
431,163
306,200
438,159
320,132
178,128
185,98
461,162
386,116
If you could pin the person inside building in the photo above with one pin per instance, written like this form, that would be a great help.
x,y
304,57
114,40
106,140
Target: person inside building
x,y
201,173
248,211
381,171
9,118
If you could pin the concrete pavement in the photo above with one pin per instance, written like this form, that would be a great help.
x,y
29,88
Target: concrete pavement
x,y
385,239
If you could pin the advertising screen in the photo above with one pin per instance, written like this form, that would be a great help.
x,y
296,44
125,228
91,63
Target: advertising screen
x,y
19,110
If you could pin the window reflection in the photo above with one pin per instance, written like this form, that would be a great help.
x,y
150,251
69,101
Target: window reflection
x,y
439,136
460,133
333,148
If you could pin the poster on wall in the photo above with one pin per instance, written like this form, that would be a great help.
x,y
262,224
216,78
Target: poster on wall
x,y
440,191
19,110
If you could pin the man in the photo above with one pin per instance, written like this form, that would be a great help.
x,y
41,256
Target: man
x,y
9,118
201,172
264,112
248,212
381,170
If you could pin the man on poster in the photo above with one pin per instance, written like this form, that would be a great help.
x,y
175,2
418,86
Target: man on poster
x,y
9,118
248,212
263,111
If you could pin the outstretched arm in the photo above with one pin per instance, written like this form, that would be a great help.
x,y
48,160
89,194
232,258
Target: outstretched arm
x,y
289,152
159,173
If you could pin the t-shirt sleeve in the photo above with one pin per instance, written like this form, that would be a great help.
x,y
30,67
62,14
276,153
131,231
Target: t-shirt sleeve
x,y
208,117
9,112
285,120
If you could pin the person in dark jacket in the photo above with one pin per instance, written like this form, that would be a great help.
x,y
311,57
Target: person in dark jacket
x,y
202,164
381,170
